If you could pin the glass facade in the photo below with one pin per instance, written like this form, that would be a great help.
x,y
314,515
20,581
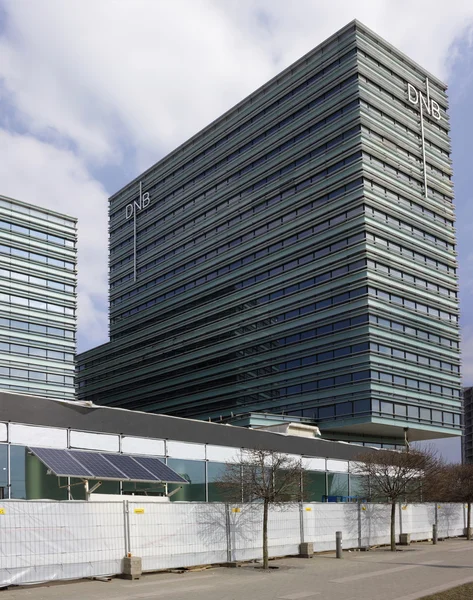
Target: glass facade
x,y
37,300
29,480
297,256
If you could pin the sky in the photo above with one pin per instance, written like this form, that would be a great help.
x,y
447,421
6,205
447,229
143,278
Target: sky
x,y
93,92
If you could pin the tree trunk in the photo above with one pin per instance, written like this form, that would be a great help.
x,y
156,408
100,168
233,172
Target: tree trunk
x,y
265,534
393,526
468,521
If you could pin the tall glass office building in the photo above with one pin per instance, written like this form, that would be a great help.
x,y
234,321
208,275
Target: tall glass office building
x,y
297,256
37,300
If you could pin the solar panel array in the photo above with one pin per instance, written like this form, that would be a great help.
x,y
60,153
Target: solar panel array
x,y
101,465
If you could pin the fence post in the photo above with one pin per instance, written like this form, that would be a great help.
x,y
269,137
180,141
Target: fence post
x,y
126,526
434,534
227,533
359,524
436,521
301,521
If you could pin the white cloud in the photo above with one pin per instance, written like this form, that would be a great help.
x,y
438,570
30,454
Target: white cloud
x,y
152,73
38,173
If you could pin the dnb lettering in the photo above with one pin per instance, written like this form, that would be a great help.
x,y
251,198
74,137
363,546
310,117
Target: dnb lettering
x,y
424,101
137,205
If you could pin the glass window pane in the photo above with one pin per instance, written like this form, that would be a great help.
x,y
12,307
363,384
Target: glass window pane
x,y
314,486
194,472
215,472
17,471
337,485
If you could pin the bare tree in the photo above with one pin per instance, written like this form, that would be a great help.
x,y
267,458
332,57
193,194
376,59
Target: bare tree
x,y
263,476
454,483
392,476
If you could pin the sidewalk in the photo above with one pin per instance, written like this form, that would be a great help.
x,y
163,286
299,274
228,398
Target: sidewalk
x,y
406,575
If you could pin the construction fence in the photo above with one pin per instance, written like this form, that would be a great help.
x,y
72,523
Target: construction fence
x,y
44,540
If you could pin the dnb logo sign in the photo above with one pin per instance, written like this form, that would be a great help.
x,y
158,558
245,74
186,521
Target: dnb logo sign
x,y
138,205
424,101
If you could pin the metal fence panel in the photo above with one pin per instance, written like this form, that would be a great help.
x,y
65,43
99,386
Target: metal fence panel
x,y
326,519
45,541
172,535
246,531
417,519
450,520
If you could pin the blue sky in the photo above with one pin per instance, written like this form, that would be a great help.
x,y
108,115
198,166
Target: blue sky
x,y
92,92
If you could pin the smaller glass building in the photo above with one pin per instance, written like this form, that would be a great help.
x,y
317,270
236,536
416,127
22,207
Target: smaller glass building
x,y
37,300
196,450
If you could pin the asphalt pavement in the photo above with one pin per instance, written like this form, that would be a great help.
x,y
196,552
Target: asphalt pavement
x,y
409,574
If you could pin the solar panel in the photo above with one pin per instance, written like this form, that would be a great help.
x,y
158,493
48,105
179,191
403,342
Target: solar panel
x,y
130,467
98,465
60,462
161,471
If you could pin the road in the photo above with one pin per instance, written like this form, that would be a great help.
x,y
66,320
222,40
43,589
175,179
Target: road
x,y
406,575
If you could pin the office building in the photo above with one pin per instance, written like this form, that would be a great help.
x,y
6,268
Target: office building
x,y
37,300
296,256
467,440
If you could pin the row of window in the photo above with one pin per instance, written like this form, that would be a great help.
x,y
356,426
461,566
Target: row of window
x,y
40,235
54,262
401,175
257,232
330,328
321,149
55,285
326,172
409,205
203,479
403,106
365,347
37,304
35,328
417,257
288,118
327,382
36,352
32,212
425,361
404,132
408,156
409,382
433,338
302,260
384,409
191,284
36,376
413,305
346,378
306,361
418,413
409,229
288,266
382,69
411,279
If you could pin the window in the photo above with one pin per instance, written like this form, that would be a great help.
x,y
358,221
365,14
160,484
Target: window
x,y
337,484
314,486
194,472
361,406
